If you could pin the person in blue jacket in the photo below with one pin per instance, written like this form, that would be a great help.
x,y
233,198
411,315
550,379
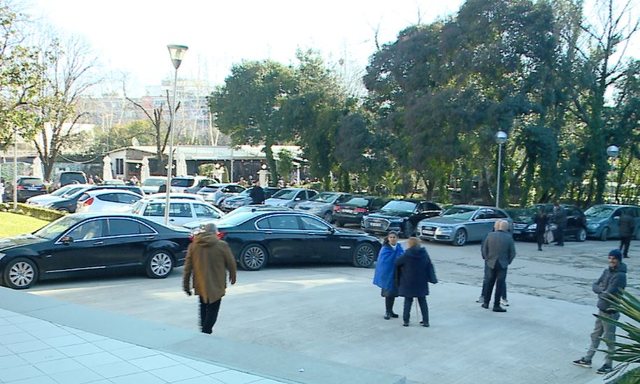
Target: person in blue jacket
x,y
384,276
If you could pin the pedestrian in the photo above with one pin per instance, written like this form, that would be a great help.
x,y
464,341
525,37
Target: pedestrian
x,y
256,193
541,221
384,275
498,251
208,260
1,191
560,219
414,273
607,287
627,229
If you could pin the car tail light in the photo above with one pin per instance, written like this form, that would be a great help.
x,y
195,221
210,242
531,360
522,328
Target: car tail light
x,y
360,210
88,202
336,208
20,188
221,235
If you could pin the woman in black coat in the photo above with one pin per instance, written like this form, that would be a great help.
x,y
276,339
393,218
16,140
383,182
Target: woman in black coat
x,y
415,271
541,221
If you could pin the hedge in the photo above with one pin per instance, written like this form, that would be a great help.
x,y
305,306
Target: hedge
x,y
33,211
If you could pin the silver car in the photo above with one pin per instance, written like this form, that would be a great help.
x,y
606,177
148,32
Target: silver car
x,y
322,204
461,223
290,197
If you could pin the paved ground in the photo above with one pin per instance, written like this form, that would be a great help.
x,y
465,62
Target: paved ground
x,y
334,313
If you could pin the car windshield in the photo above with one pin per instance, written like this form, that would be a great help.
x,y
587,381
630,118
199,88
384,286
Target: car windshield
x,y
598,212
358,202
246,192
153,182
181,182
325,197
72,191
62,191
461,213
30,181
56,228
399,206
522,215
285,194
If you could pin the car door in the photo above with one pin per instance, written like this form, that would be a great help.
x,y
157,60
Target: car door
x,y
481,224
283,237
180,213
82,248
127,240
203,211
321,244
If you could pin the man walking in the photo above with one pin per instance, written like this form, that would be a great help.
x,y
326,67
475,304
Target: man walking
x,y
208,260
560,219
608,286
256,193
627,229
498,251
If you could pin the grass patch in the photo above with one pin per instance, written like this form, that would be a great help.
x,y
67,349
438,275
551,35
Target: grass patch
x,y
12,224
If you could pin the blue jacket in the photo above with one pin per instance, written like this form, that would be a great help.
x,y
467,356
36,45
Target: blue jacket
x,y
415,271
385,267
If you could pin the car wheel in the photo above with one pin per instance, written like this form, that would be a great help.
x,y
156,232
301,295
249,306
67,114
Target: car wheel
x,y
581,235
253,257
605,234
20,274
408,230
364,256
159,264
327,217
460,238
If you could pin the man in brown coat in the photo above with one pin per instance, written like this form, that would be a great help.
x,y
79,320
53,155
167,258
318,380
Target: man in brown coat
x,y
208,260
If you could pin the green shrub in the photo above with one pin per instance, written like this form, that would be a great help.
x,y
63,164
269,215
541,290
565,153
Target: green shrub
x,y
40,213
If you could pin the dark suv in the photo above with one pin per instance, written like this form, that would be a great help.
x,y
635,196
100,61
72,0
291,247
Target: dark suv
x,y
352,210
71,177
401,216
27,186
524,227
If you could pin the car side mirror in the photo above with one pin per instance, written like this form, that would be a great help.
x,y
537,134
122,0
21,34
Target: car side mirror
x,y
297,199
66,240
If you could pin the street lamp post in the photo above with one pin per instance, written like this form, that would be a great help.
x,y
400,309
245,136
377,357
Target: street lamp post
x,y
176,52
501,138
612,151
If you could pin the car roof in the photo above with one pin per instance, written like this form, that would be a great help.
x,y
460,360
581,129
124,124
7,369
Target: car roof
x,y
110,190
173,199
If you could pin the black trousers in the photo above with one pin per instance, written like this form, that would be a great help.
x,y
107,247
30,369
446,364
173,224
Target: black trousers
x,y
208,315
422,302
496,276
540,239
559,235
625,242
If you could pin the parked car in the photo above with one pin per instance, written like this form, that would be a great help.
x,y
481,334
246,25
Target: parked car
x,y
181,211
67,190
603,220
290,197
524,227
81,244
401,216
461,224
27,186
353,210
113,182
152,184
107,200
70,177
243,198
69,202
215,193
323,203
201,183
182,183
258,238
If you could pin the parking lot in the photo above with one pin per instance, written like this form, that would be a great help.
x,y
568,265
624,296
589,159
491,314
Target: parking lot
x,y
334,313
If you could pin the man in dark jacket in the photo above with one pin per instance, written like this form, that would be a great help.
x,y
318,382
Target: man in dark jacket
x,y
608,286
627,228
256,193
208,260
560,219
414,271
498,251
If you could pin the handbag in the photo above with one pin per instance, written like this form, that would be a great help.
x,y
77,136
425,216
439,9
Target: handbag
x,y
548,235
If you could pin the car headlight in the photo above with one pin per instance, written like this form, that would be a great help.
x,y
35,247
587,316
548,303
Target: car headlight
x,y
533,226
2,255
593,225
444,230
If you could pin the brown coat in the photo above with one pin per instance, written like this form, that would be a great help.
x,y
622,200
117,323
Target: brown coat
x,y
207,260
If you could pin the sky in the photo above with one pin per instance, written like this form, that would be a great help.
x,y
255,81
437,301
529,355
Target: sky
x,y
130,37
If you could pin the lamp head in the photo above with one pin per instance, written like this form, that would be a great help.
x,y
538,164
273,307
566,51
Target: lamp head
x,y
501,137
177,54
613,151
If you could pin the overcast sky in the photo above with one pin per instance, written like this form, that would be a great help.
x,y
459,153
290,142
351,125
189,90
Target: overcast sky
x,y
131,36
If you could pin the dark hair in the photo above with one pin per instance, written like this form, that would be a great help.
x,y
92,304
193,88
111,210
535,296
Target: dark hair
x,y
386,238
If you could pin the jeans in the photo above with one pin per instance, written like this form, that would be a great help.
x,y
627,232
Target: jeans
x,y
609,331
208,315
495,276
625,242
422,302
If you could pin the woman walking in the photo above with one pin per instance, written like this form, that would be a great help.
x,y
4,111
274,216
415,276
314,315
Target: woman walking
x,y
384,276
415,271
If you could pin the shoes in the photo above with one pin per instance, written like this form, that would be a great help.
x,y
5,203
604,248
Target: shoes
x,y
480,299
560,245
539,249
394,315
604,369
626,257
485,305
582,362
387,316
504,302
499,309
405,324
424,324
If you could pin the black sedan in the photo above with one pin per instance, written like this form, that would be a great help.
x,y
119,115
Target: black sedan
x,y
83,243
261,237
524,227
401,216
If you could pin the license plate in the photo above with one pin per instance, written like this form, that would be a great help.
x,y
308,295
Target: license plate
x,y
33,189
377,225
427,232
347,211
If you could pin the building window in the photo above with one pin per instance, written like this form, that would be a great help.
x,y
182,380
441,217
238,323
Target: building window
x,y
119,166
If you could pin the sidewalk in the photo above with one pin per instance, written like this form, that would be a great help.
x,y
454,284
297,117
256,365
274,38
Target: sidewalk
x,y
45,341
